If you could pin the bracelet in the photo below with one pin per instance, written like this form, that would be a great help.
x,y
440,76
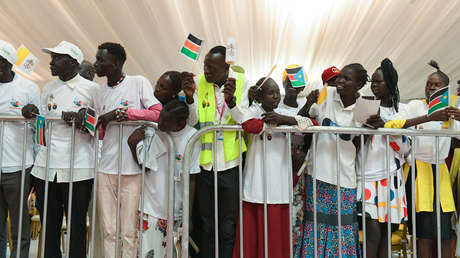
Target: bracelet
x,y
121,114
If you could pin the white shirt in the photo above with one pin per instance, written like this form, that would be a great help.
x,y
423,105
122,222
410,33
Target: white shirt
x,y
375,149
58,96
156,180
326,166
134,92
14,96
221,164
425,146
277,155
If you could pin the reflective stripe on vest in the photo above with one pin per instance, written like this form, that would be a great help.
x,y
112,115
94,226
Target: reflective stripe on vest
x,y
206,115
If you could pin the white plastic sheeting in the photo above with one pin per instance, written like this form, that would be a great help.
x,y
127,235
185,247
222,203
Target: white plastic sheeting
x,y
312,33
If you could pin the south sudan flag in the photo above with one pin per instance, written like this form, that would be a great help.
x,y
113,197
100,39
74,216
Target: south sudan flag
x,y
192,47
296,76
438,100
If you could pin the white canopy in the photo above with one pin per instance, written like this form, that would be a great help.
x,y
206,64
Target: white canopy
x,y
315,34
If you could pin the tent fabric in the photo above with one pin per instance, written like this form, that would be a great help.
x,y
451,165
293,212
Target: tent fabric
x,y
312,33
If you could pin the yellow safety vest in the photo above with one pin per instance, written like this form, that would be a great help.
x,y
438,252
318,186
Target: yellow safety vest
x,y
206,113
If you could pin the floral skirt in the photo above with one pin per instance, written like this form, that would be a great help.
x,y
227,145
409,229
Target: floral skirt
x,y
154,237
327,228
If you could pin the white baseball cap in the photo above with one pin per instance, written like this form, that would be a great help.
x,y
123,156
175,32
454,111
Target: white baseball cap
x,y
66,48
8,52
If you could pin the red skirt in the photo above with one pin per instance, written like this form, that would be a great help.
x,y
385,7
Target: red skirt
x,y
253,231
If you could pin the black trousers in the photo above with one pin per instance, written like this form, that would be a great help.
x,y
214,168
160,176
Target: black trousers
x,y
228,204
10,192
58,196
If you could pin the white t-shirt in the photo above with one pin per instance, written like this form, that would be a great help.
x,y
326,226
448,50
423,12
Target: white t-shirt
x,y
156,180
14,96
375,166
425,146
278,152
58,96
332,110
133,92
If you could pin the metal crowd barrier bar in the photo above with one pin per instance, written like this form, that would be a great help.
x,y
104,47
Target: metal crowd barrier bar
x,y
49,130
315,131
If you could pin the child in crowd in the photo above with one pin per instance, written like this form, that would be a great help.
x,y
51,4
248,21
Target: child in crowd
x,y
172,121
384,85
336,110
414,115
276,169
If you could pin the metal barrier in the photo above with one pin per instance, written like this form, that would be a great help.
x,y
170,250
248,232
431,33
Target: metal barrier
x,y
50,121
173,177
315,131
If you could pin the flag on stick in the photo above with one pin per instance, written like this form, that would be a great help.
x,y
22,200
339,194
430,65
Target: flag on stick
x,y
192,47
438,100
90,120
26,60
40,130
296,76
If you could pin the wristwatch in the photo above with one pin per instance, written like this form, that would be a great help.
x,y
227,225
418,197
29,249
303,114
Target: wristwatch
x,y
232,102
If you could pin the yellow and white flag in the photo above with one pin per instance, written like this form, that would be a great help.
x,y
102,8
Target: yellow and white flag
x,y
26,60
231,51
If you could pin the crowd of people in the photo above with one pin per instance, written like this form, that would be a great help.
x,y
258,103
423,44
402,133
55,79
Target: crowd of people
x,y
181,103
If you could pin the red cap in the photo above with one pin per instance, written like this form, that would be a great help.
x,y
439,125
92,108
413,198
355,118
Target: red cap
x,y
329,73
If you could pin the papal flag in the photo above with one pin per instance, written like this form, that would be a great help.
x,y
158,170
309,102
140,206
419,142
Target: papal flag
x,y
26,60
192,47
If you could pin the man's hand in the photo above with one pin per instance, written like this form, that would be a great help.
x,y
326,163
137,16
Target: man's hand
x,y
106,118
70,116
440,115
229,89
454,113
274,118
312,97
252,94
30,111
375,121
188,86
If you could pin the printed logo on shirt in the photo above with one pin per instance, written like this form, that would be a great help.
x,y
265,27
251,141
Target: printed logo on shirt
x,y
15,104
178,157
124,102
77,103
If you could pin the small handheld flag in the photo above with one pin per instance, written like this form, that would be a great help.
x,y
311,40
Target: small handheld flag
x,y
40,130
296,76
90,120
231,51
192,47
26,60
266,77
438,100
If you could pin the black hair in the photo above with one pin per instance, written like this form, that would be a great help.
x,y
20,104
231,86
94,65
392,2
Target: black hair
x,y
221,50
115,49
390,76
178,109
458,82
218,50
443,76
259,82
176,80
360,73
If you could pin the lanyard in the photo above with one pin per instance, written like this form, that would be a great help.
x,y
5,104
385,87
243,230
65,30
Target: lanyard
x,y
221,112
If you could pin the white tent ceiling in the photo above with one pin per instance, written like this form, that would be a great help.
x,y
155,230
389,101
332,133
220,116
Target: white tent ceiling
x,y
312,33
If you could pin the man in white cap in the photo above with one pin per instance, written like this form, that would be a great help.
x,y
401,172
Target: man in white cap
x,y
65,96
15,92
